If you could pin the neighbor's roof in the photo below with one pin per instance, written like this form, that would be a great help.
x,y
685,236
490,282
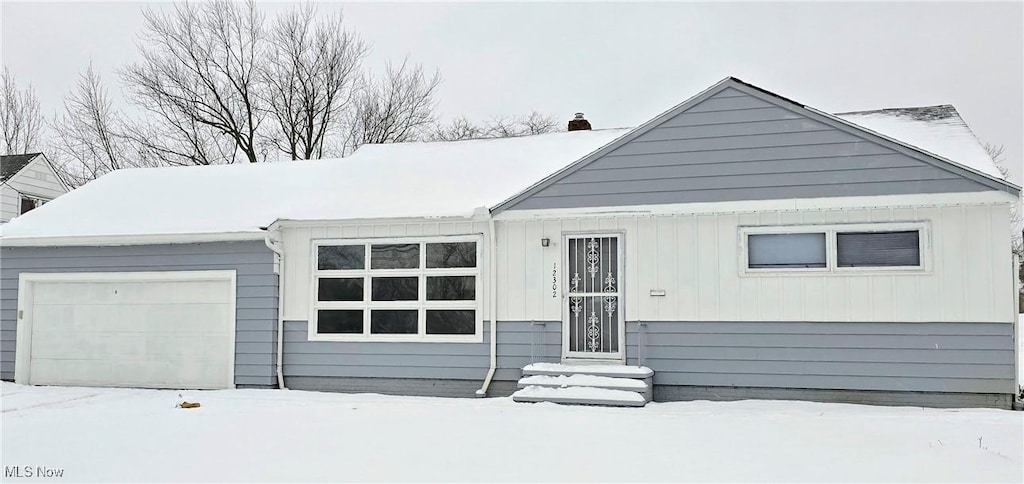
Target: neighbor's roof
x,y
418,179
939,130
10,165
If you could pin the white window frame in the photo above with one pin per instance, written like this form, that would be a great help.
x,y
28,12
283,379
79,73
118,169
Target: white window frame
x,y
421,304
831,248
39,201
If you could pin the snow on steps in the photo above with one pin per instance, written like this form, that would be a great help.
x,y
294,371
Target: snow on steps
x,y
592,384
579,380
620,371
580,396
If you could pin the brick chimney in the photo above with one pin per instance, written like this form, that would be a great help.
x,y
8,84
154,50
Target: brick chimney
x,y
578,123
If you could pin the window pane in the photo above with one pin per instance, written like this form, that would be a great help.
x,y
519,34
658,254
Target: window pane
x,y
340,257
389,321
451,288
451,254
27,204
336,289
879,249
395,256
458,321
395,288
345,321
786,250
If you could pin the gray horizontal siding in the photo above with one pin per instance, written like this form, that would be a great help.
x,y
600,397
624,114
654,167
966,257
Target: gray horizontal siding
x,y
664,393
523,342
389,386
735,146
519,343
905,357
309,359
256,291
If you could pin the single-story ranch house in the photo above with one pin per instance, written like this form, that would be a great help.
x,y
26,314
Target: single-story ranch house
x,y
739,245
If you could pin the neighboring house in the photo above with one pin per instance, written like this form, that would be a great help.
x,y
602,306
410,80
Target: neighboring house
x,y
739,245
26,182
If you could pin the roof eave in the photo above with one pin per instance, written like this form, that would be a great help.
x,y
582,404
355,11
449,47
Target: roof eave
x,y
129,239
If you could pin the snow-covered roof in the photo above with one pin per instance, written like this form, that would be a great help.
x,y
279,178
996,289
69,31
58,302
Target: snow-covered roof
x,y
436,179
938,130
419,179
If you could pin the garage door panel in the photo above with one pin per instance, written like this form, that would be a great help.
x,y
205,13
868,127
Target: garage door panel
x,y
133,373
183,317
150,333
86,345
164,292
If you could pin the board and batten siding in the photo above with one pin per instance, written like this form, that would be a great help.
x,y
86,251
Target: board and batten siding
x,y
695,259
739,146
256,292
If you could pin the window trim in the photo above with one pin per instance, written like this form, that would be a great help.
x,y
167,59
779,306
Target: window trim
x,y
39,201
421,302
831,248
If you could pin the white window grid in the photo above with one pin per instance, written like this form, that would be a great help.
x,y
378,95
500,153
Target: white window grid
x,y
831,248
421,304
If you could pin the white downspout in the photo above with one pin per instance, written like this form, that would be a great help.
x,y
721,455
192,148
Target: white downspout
x,y
492,303
278,248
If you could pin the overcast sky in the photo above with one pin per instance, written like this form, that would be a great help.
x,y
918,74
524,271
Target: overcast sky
x,y
622,63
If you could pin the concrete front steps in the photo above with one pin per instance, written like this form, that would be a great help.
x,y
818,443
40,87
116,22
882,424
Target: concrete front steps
x,y
607,385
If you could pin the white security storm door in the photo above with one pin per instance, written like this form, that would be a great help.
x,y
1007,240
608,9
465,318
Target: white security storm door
x,y
593,319
128,329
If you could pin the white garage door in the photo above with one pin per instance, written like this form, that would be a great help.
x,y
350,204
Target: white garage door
x,y
131,329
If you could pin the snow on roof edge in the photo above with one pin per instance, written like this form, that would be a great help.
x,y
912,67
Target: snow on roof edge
x,y
886,137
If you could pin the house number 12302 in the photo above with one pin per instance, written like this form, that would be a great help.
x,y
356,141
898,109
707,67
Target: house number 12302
x,y
554,280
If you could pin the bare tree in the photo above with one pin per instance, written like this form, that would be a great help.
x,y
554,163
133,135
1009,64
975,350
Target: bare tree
x,y
398,107
497,127
19,113
199,68
178,140
998,155
91,138
457,129
310,75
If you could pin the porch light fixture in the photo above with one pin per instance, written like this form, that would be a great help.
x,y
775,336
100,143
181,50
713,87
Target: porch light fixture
x,y
545,242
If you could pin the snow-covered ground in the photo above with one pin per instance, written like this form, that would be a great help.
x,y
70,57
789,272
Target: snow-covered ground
x,y
265,435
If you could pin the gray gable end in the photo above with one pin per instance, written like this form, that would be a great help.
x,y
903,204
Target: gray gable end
x,y
737,142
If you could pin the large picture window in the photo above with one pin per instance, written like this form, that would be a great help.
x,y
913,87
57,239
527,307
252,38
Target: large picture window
x,y
423,289
837,248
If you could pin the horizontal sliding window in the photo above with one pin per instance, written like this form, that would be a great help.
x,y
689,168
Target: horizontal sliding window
x,y
802,250
835,248
397,289
878,249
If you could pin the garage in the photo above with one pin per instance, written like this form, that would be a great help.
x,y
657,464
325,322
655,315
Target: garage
x,y
127,329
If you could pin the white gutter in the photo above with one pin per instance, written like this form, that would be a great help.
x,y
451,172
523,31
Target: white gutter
x,y
130,239
492,303
278,248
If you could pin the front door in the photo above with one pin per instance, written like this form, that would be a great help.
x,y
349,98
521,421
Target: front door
x,y
592,316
